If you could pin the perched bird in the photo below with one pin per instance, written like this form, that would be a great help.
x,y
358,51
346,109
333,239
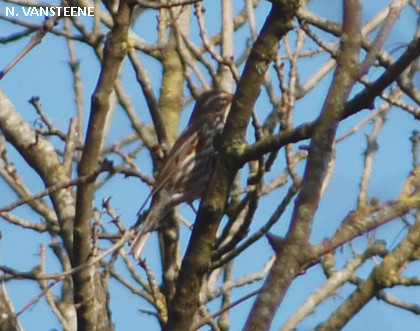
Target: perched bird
x,y
188,166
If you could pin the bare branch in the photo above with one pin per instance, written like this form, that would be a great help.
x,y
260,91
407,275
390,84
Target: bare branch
x,y
35,40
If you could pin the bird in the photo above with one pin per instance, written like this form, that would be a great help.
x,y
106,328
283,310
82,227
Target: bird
x,y
188,167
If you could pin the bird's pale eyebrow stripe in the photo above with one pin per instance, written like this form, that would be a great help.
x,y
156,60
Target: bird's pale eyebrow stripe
x,y
213,97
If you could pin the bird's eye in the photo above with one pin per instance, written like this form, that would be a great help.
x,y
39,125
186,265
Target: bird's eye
x,y
224,98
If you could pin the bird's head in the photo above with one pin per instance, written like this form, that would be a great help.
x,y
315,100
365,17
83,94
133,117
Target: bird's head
x,y
211,102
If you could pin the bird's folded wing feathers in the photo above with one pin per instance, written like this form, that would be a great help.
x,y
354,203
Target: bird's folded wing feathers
x,y
169,169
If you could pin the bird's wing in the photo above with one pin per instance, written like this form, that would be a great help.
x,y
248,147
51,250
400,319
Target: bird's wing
x,y
179,151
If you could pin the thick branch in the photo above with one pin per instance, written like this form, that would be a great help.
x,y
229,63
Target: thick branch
x,y
291,260
41,156
170,106
198,255
90,297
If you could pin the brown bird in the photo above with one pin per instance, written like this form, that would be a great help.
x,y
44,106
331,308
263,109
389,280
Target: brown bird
x,y
189,165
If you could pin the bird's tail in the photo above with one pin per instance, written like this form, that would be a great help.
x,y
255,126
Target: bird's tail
x,y
149,224
138,243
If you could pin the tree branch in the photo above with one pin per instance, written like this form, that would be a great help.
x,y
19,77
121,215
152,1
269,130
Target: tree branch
x,y
90,297
198,255
291,258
